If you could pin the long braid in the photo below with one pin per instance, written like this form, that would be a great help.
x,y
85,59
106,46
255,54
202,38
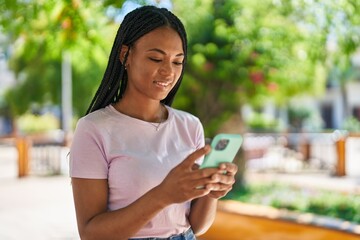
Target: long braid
x,y
106,81
135,24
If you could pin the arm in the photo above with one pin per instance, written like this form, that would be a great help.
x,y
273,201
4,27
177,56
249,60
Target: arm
x,y
202,215
90,197
203,210
95,222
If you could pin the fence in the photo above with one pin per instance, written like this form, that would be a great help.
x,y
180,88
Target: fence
x,y
291,152
43,154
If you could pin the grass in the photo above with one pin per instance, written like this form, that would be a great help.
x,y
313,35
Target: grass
x,y
303,200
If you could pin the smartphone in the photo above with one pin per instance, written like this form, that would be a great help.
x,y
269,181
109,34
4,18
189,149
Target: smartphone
x,y
224,148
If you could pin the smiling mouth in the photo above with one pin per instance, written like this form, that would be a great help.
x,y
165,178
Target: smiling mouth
x,y
162,84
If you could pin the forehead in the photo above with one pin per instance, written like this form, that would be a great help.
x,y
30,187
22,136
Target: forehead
x,y
164,38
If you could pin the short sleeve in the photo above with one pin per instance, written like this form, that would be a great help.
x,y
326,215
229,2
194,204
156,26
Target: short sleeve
x,y
87,152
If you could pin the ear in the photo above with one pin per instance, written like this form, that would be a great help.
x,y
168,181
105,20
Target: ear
x,y
123,52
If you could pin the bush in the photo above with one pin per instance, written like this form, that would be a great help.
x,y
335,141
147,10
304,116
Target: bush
x,y
30,123
305,200
352,125
259,122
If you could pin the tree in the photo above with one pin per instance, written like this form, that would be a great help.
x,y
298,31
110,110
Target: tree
x,y
239,51
41,31
245,52
343,20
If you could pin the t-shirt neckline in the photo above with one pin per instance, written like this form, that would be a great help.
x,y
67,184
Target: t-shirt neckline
x,y
139,121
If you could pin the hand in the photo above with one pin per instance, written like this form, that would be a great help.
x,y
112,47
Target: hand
x,y
224,180
182,183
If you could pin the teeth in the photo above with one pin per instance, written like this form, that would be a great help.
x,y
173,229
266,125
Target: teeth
x,y
164,84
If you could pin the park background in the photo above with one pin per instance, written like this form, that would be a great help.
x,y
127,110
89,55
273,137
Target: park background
x,y
284,74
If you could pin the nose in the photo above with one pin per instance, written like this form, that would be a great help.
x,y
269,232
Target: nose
x,y
166,68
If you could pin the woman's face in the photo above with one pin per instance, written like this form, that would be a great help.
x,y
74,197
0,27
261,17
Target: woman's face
x,y
154,64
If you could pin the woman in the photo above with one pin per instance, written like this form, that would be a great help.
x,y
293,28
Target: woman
x,y
133,157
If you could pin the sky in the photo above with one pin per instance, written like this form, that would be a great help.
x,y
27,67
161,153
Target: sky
x,y
119,14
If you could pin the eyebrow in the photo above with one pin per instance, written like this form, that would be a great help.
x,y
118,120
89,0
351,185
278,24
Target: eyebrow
x,y
162,52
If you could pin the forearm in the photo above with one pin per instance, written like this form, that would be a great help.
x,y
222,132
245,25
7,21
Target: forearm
x,y
202,214
123,223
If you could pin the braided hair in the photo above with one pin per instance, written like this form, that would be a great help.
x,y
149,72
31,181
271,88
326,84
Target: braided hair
x,y
135,24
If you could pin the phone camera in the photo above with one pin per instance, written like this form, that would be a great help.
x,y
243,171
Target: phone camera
x,y
222,143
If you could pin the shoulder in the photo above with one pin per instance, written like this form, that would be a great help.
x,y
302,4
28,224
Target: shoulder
x,y
99,116
187,126
99,119
183,116
185,121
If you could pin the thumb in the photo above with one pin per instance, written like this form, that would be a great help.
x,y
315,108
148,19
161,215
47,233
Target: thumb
x,y
190,160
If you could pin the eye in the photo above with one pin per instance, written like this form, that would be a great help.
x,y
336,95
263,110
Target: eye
x,y
178,63
155,59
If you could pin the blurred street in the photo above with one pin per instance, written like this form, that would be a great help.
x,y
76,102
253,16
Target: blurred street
x,y
41,207
34,207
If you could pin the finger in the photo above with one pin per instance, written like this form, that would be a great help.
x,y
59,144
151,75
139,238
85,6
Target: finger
x,y
190,160
213,187
202,182
204,174
223,179
229,168
218,187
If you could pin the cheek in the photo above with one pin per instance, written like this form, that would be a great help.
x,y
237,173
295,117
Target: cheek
x,y
178,69
143,71
178,74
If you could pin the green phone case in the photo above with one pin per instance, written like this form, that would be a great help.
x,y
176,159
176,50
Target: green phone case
x,y
219,153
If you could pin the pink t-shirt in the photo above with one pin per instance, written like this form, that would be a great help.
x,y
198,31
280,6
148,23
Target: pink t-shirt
x,y
135,158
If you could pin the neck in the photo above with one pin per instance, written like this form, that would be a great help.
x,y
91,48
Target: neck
x,y
153,111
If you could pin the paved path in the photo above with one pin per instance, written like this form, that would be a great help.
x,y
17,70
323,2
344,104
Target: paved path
x,y
34,208
38,208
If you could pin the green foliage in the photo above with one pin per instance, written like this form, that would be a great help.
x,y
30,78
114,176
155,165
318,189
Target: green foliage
x,y
42,32
297,116
114,3
260,122
352,125
306,200
246,52
240,51
30,123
